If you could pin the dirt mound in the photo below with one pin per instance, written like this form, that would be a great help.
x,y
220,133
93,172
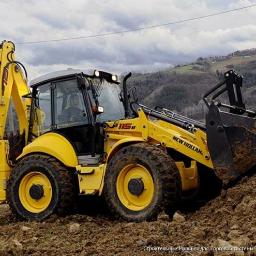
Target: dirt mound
x,y
226,221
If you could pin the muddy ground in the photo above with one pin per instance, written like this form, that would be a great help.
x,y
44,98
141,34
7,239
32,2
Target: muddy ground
x,y
227,221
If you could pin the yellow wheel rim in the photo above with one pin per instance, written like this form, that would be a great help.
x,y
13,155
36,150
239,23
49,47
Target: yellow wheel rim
x,y
129,199
41,201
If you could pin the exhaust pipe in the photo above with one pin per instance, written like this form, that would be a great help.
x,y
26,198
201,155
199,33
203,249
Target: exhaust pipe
x,y
125,95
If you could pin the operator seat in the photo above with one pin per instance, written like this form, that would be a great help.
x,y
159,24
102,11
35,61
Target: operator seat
x,y
72,113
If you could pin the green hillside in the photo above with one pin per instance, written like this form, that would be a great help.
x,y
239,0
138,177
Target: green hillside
x,y
181,88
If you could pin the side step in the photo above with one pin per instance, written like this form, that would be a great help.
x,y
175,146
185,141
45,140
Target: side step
x,y
89,160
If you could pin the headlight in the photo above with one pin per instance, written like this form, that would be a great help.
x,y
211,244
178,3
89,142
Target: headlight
x,y
96,73
107,76
114,78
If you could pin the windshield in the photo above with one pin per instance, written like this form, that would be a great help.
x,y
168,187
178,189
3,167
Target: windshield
x,y
108,97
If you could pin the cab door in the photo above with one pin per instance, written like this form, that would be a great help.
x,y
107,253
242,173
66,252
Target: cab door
x,y
71,115
60,108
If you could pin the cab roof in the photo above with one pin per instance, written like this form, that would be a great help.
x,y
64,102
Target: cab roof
x,y
57,75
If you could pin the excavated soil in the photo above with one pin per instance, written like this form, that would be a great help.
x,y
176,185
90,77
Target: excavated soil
x,y
228,221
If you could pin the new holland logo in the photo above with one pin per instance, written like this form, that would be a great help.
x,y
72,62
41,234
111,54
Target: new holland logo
x,y
188,145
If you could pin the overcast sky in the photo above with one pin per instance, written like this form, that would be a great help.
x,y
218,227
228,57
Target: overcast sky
x,y
31,20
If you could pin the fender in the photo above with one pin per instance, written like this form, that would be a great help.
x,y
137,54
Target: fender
x,y
55,145
122,143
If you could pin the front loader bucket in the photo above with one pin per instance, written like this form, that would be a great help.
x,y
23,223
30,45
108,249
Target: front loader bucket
x,y
231,140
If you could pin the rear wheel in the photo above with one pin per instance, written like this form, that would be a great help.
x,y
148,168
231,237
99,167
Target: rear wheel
x,y
141,180
39,186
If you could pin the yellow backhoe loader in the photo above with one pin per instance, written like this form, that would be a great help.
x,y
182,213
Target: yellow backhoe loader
x,y
75,133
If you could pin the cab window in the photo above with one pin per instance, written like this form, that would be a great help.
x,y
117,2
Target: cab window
x,y
12,124
69,104
43,110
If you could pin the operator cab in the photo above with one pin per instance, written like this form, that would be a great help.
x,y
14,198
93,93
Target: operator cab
x,y
76,104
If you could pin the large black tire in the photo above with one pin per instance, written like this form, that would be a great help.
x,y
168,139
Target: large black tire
x,y
61,180
165,177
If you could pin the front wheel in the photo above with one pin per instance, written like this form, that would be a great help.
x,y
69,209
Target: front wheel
x,y
39,186
141,180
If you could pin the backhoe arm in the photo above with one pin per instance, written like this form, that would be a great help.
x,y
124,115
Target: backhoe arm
x,y
13,86
14,109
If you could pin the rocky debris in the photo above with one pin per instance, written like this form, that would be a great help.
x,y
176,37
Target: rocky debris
x,y
129,224
74,228
241,241
142,242
163,217
234,227
34,239
198,233
226,248
16,247
228,220
25,228
178,217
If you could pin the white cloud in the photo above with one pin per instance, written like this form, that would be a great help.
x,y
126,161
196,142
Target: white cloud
x,y
33,20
